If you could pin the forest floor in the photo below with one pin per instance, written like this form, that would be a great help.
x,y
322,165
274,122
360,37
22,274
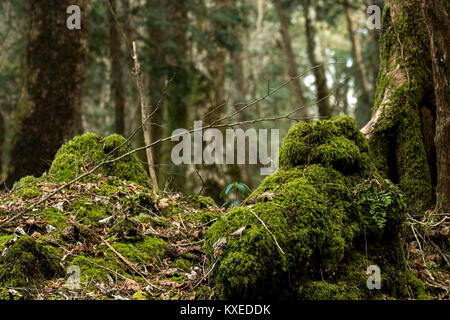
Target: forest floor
x,y
138,245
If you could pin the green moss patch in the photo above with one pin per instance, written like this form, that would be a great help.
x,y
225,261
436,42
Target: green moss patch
x,y
84,152
308,222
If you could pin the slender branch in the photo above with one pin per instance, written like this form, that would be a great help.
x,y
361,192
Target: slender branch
x,y
145,127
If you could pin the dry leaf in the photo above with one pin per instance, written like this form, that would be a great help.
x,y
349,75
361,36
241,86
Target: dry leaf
x,y
131,285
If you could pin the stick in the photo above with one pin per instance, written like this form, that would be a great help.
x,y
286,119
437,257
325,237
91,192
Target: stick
x,y
273,236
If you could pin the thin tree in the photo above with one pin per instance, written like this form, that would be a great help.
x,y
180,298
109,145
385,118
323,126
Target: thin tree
x,y
314,56
364,106
437,18
289,55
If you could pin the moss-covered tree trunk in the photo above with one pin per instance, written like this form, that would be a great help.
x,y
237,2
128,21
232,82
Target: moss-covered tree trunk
x,y
437,15
401,131
48,111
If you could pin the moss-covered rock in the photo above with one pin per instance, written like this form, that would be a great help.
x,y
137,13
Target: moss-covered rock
x,y
84,152
28,263
310,220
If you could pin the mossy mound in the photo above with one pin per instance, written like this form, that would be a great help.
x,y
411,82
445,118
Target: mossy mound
x,y
335,143
84,152
29,264
309,223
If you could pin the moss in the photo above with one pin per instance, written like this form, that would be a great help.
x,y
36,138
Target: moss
x,y
27,188
417,287
335,143
28,264
201,202
321,290
142,251
308,218
140,295
319,218
397,142
54,217
95,269
84,152
183,264
5,239
87,212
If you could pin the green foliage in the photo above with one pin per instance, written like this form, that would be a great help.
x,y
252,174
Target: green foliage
x,y
236,188
377,197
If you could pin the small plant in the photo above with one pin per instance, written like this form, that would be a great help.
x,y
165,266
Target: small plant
x,y
377,197
237,189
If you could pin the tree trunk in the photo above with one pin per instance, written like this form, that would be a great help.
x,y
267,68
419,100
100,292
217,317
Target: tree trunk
x,y
437,15
241,86
364,105
375,36
48,111
114,50
289,55
323,99
401,131
158,75
178,90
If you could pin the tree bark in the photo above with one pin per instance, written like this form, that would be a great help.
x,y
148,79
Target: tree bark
x,y
289,55
114,50
176,104
437,15
402,129
323,99
48,111
364,105
375,35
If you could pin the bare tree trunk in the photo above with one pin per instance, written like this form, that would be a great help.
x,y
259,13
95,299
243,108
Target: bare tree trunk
x,y
314,55
437,15
241,86
114,49
48,111
364,106
401,131
375,35
176,104
158,67
289,55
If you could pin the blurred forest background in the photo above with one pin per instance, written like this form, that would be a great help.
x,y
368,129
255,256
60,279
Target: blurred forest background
x,y
201,60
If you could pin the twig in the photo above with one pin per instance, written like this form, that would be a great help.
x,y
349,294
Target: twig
x,y
203,183
273,236
128,263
